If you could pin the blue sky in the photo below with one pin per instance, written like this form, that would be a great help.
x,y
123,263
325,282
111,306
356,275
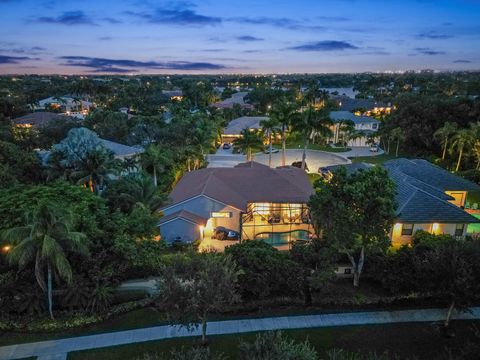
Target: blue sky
x,y
237,36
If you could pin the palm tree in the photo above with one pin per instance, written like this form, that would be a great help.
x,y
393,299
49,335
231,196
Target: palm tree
x,y
444,133
462,141
249,140
476,144
270,127
156,159
398,135
312,121
284,113
93,169
45,241
144,193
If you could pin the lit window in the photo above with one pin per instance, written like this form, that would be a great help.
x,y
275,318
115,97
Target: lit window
x,y
407,229
459,229
221,214
262,208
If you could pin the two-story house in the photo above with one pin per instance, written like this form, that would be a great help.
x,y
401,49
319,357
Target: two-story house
x,y
364,126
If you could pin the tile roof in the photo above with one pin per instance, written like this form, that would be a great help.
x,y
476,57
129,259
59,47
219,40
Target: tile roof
x,y
40,118
337,116
431,174
236,126
120,149
246,182
184,214
417,205
348,104
236,98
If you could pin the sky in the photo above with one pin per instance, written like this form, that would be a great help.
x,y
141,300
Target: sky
x,y
237,36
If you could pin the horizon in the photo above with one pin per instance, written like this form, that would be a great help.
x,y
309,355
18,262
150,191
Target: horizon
x,y
238,37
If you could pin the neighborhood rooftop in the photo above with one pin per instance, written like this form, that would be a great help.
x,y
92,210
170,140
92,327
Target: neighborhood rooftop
x,y
236,126
39,119
247,182
120,149
338,116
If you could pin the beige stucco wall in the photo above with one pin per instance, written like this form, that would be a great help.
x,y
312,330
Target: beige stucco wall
x,y
398,239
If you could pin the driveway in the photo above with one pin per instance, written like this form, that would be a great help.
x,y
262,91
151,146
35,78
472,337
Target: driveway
x,y
315,159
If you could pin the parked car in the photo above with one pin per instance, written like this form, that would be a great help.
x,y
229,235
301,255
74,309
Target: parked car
x,y
374,148
299,165
221,233
274,151
226,146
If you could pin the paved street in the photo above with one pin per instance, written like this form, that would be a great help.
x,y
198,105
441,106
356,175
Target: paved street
x,y
57,349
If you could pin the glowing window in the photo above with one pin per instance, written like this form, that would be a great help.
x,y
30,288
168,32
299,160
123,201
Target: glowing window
x,y
221,214
407,229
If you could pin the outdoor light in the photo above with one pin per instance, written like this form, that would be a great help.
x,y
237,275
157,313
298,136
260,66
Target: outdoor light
x,y
6,249
435,228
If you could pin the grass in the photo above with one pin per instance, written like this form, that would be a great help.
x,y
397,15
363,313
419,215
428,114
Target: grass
x,y
376,160
293,143
474,228
419,340
313,177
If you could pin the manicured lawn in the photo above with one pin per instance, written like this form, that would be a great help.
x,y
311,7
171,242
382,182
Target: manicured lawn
x,y
376,160
293,143
313,177
420,340
474,228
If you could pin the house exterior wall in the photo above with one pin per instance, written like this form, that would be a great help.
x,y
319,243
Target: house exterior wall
x,y
179,229
435,228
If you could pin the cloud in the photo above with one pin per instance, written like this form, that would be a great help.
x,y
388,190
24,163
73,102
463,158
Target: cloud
x,y
112,20
249,38
68,18
124,65
325,45
428,51
285,23
432,35
5,59
34,50
105,38
462,61
181,13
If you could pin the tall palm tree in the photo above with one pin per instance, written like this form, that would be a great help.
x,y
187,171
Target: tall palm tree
x,y
93,169
248,141
398,135
443,135
311,121
284,113
144,193
476,144
270,127
45,241
462,142
155,158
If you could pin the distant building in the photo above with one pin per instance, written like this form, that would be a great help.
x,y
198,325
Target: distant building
x,y
361,106
237,98
234,128
365,127
176,95
66,104
39,119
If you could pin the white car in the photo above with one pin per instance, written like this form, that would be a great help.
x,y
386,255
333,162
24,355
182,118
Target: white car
x,y
374,148
274,151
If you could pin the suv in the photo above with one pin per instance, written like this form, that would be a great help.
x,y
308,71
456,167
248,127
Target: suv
x,y
221,233
226,146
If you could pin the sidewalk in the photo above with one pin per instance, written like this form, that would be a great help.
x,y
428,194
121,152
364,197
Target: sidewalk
x,y
57,349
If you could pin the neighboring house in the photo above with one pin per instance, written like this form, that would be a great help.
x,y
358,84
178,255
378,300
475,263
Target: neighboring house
x,y
365,126
423,201
38,119
237,98
362,106
176,95
121,151
234,128
252,199
66,104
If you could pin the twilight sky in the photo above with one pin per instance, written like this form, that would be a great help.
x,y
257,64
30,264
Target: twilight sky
x,y
237,36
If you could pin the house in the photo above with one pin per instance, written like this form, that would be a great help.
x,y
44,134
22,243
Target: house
x,y
39,119
251,199
361,106
176,95
121,151
236,98
423,203
66,104
365,127
233,130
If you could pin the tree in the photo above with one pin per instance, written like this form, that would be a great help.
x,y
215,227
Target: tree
x,y
476,144
398,135
354,213
270,127
275,346
248,141
443,135
462,142
94,169
311,121
45,241
448,272
155,158
192,289
110,125
284,113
